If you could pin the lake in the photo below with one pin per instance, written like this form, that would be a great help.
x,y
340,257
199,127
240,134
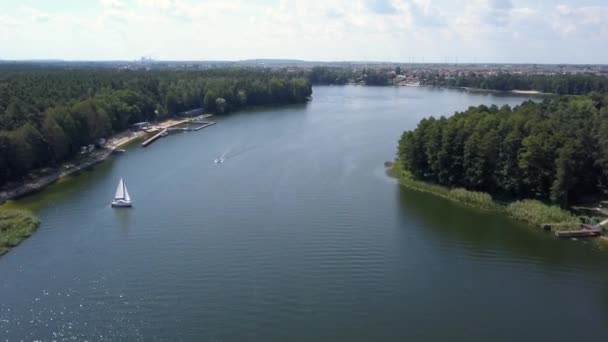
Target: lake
x,y
299,235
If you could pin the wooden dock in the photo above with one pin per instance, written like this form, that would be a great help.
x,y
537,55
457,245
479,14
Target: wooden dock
x,y
205,125
586,230
154,138
200,120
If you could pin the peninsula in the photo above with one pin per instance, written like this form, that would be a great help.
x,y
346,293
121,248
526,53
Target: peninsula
x,y
539,157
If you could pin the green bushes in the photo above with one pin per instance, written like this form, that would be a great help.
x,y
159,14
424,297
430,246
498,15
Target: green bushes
x,y
475,199
536,212
15,225
530,211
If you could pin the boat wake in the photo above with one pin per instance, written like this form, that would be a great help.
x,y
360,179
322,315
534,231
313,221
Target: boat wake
x,y
222,158
230,153
243,150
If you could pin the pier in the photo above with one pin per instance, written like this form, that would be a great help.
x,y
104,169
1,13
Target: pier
x,y
205,125
188,129
154,138
200,122
586,230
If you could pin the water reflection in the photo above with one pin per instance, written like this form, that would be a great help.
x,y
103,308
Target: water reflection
x,y
122,217
485,233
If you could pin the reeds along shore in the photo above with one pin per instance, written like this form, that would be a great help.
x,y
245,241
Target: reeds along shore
x,y
529,211
15,226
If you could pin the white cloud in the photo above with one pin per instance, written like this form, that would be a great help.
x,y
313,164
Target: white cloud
x,y
523,12
8,22
587,20
489,30
115,4
35,14
159,4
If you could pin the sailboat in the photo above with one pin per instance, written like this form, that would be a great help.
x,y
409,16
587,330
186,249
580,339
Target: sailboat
x,y
121,197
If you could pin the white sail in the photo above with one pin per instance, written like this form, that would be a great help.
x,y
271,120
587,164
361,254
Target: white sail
x,y
121,197
126,193
120,190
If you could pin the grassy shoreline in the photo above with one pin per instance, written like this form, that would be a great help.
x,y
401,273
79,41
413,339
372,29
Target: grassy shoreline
x,y
15,226
532,212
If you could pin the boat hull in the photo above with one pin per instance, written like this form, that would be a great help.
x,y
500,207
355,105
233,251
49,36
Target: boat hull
x,y
121,204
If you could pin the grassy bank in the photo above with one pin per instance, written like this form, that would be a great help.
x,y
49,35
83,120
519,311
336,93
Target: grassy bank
x,y
536,213
469,198
15,226
530,211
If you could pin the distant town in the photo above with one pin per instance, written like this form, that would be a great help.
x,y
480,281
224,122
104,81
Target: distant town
x,y
448,69
354,72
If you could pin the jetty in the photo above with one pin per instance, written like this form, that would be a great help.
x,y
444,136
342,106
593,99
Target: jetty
x,y
585,230
189,129
154,138
192,124
207,124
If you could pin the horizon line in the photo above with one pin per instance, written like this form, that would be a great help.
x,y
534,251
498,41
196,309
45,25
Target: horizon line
x,y
285,60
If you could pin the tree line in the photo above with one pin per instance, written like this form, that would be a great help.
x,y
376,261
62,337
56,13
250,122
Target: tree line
x,y
555,151
47,114
562,84
571,84
341,75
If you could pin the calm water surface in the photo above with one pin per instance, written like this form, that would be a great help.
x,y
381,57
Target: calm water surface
x,y
298,236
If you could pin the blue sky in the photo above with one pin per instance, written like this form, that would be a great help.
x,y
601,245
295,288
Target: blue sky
x,y
541,31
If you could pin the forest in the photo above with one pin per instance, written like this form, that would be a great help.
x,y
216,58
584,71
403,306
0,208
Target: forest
x,y
561,84
48,113
555,150
340,75
571,84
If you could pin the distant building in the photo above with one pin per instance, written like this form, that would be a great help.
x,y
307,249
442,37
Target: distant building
x,y
192,112
140,126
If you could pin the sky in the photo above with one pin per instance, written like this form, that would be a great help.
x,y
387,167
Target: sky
x,y
482,31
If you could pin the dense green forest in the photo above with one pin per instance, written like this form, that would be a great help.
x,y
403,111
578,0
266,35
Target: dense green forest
x,y
556,150
331,75
341,76
572,84
47,114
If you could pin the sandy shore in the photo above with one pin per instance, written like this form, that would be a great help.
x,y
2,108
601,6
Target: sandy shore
x,y
526,92
39,179
171,123
123,139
